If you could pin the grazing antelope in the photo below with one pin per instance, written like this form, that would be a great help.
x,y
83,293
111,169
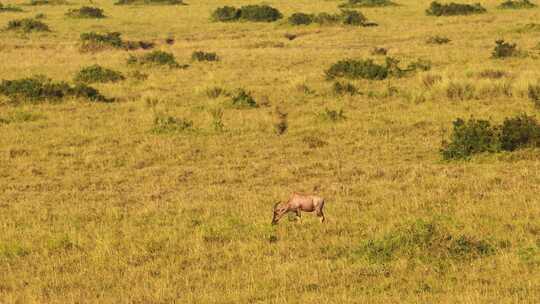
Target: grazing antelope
x,y
297,203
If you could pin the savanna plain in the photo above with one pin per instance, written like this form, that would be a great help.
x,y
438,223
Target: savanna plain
x,y
157,185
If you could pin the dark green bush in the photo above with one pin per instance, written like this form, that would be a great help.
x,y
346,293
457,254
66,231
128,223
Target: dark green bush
x,y
48,2
149,2
9,8
516,4
27,25
437,40
355,69
94,42
86,12
368,3
169,124
243,99
454,9
204,56
156,58
519,132
39,88
534,94
259,13
226,14
471,137
301,19
96,73
345,17
504,49
344,88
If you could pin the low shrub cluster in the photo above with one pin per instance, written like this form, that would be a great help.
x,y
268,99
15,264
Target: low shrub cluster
x,y
48,2
86,12
204,56
255,13
516,4
169,124
534,94
368,69
454,9
478,136
149,2
427,240
156,58
98,74
40,88
368,3
345,17
243,99
27,25
9,8
504,49
94,42
344,88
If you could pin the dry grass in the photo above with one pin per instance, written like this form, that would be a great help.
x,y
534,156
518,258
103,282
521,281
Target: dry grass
x,y
97,208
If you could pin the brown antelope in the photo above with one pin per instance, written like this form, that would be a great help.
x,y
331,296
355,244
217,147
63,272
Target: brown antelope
x,y
297,203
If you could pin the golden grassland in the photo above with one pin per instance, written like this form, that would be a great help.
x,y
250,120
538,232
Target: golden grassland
x,y
95,208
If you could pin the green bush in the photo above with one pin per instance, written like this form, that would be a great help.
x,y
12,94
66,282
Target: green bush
x,y
204,56
86,12
259,13
471,137
504,49
40,88
255,13
344,88
368,3
94,42
519,132
454,9
355,69
27,25
345,17
96,73
243,99
534,94
478,136
9,8
149,2
437,40
48,2
156,58
226,14
169,124
516,4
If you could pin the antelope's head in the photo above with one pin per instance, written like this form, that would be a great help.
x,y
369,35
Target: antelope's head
x,y
279,211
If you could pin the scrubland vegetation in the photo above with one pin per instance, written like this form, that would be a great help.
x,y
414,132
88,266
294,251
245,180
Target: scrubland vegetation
x,y
143,144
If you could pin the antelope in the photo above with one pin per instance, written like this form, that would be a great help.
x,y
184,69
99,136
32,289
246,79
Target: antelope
x,y
297,203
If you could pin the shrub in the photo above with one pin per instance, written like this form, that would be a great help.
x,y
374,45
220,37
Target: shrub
x,y
368,3
518,132
27,25
226,14
453,9
156,58
355,69
96,73
516,4
344,88
39,88
40,16
94,41
149,2
301,19
437,40
48,2
215,92
169,124
86,12
259,13
9,8
504,49
534,94
243,99
204,56
217,119
471,137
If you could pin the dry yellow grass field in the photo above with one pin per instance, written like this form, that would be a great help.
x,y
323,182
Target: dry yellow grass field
x,y
97,208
